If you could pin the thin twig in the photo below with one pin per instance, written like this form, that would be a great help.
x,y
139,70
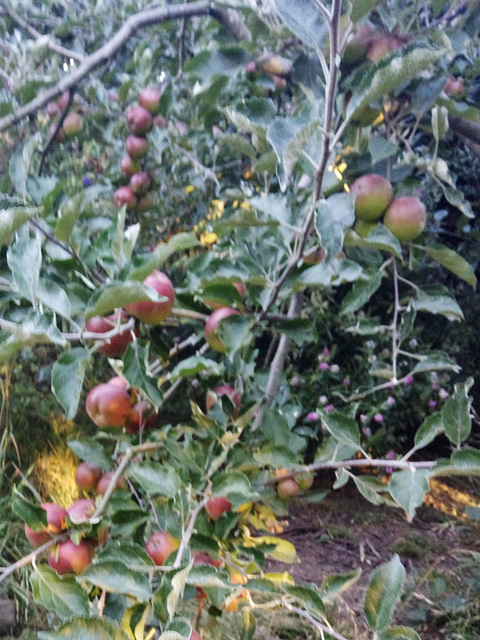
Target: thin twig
x,y
189,532
318,625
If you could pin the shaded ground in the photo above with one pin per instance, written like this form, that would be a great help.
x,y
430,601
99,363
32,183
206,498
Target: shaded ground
x,y
344,532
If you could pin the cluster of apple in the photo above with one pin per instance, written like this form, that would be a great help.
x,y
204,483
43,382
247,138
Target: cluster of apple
x,y
140,119
404,216
72,124
290,487
67,556
91,478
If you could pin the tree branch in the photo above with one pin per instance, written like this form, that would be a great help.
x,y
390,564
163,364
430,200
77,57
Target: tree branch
x,y
102,55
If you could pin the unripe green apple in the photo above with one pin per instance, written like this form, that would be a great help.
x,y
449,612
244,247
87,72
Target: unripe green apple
x,y
151,312
87,476
211,327
68,557
373,195
160,546
363,228
72,125
304,481
406,218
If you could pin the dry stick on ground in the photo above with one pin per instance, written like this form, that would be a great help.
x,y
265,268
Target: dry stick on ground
x,y
109,49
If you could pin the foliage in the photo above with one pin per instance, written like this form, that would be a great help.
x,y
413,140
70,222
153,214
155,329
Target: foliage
x,y
332,356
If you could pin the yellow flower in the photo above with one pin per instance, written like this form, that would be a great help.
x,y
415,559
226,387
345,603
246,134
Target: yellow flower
x,y
189,189
208,237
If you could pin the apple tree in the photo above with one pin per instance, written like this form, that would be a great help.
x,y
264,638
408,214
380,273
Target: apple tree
x,y
204,201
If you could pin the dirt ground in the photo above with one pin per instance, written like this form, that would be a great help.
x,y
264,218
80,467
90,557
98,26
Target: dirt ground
x,y
344,532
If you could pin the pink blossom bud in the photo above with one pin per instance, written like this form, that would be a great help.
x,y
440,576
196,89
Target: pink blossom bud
x,y
334,368
378,417
329,408
325,352
443,393
312,416
390,455
295,381
391,401
408,380
346,382
324,366
367,431
323,399
432,404
435,386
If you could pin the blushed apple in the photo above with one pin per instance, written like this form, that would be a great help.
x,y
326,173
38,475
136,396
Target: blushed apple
x,y
136,146
139,120
373,195
406,218
211,327
149,99
68,557
87,476
160,546
117,345
151,312
108,405
217,506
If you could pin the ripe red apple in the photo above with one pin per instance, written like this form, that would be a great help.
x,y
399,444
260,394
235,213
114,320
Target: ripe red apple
x,y
68,557
195,635
373,195
155,312
454,87
125,196
140,182
211,327
72,125
55,524
52,109
108,405
139,120
129,165
160,546
217,506
105,480
87,476
406,218
160,121
82,510
145,202
224,390
202,557
118,381
142,412
149,99
383,46
136,146
117,345
288,489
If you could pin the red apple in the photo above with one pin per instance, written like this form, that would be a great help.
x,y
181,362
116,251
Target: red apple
x,y
149,99
52,109
139,120
454,87
211,327
105,480
217,506
117,345
195,635
373,195
288,489
63,100
160,121
82,510
108,405
155,312
68,557
87,476
160,546
129,165
72,125
202,557
406,218
55,524
140,182
142,413
136,146
224,390
125,196
383,46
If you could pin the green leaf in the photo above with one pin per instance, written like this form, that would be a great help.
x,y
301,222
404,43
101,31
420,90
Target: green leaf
x,y
114,576
381,148
361,293
195,364
119,294
178,582
235,486
155,478
457,199
308,596
67,379
20,161
224,60
379,238
451,261
33,514
135,370
91,451
25,259
11,220
392,71
242,218
305,20
249,625
370,487
343,428
276,207
435,362
335,584
86,629
439,122
300,330
456,417
360,8
399,633
128,553
235,333
408,488
332,217
383,593
60,595
431,427
239,143
441,304
53,296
